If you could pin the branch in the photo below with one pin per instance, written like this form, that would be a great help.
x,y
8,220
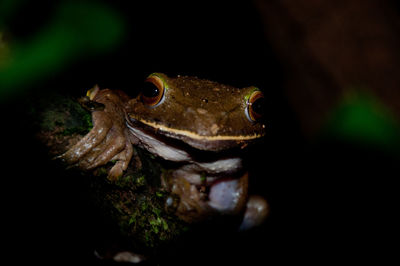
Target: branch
x,y
135,203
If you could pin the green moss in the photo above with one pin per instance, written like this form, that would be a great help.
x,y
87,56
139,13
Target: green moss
x,y
138,206
102,171
156,211
146,221
141,180
74,125
60,114
134,181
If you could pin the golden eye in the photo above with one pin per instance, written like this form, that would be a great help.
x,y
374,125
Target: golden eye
x,y
255,106
152,92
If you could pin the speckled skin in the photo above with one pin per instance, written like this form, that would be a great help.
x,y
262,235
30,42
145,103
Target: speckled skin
x,y
109,138
196,116
201,106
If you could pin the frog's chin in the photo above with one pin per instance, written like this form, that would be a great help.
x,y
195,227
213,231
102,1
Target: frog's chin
x,y
158,145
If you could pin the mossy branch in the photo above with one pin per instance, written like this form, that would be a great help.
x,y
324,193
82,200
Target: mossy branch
x,y
135,202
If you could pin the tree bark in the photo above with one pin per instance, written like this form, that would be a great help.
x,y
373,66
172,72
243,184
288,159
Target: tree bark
x,y
329,49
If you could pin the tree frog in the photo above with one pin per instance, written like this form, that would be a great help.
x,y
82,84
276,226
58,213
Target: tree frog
x,y
201,125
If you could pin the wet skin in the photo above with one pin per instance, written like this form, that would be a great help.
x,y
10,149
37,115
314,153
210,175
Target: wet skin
x,y
202,125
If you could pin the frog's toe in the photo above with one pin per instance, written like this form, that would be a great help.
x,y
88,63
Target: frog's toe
x,y
102,124
257,210
114,147
123,158
87,161
116,171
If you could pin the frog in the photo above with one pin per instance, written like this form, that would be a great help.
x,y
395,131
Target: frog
x,y
201,126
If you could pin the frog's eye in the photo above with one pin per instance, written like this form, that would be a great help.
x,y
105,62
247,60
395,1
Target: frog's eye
x,y
255,106
152,93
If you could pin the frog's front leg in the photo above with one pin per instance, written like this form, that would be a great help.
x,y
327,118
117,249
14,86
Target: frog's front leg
x,y
122,158
109,138
101,125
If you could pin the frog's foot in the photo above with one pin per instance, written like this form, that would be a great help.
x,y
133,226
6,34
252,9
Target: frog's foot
x,y
128,257
257,210
225,196
122,160
191,205
107,141
120,256
101,125
115,147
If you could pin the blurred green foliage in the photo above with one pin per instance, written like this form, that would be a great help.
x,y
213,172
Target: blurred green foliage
x,y
77,29
7,8
361,119
3,51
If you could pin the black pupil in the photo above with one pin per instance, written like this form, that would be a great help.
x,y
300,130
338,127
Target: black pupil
x,y
150,90
258,106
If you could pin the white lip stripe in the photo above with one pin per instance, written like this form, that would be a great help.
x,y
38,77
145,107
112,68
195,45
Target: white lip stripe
x,y
193,135
159,148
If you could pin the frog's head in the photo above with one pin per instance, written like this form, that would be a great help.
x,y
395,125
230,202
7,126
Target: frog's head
x,y
204,114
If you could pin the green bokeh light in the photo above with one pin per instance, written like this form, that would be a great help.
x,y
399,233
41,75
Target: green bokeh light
x,y
78,29
363,120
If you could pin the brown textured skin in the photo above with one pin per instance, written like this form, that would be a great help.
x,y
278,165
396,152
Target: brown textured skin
x,y
192,205
109,138
205,145
200,106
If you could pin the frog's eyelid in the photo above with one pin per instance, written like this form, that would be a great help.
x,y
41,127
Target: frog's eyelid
x,y
246,111
165,89
248,97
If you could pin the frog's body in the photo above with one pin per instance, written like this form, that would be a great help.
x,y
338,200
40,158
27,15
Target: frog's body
x,y
201,124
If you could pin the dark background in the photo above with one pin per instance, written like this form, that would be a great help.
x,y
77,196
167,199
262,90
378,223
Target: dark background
x,y
331,200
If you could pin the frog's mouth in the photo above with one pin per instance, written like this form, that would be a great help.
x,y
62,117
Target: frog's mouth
x,y
172,148
193,139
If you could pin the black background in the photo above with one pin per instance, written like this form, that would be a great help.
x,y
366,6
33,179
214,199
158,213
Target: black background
x,y
330,201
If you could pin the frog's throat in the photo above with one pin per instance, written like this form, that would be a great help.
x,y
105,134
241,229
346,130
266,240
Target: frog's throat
x,y
195,136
